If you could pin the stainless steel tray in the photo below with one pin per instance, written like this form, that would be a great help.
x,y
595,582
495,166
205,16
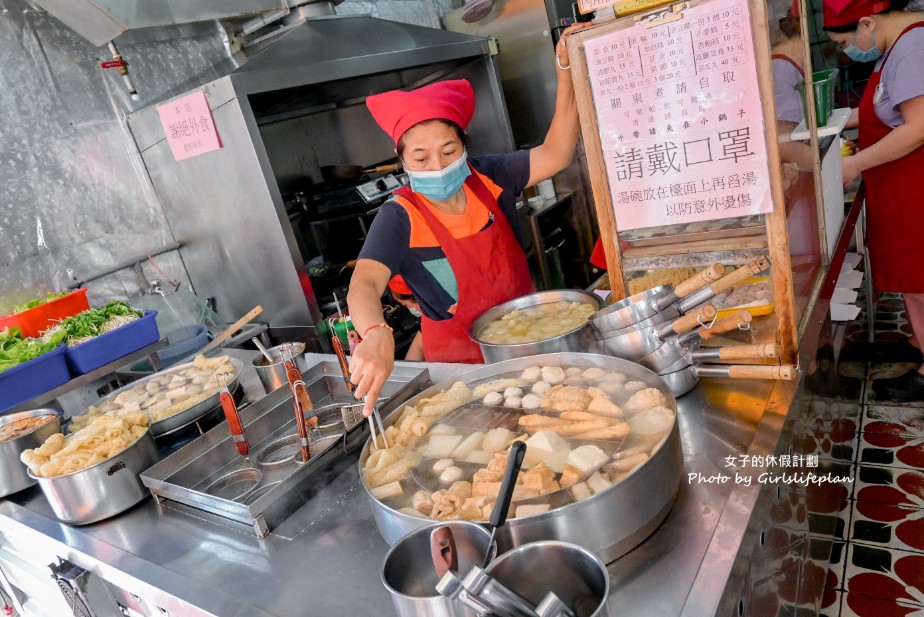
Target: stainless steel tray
x,y
609,523
284,486
187,416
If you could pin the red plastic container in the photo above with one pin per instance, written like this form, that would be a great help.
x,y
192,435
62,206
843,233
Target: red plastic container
x,y
34,321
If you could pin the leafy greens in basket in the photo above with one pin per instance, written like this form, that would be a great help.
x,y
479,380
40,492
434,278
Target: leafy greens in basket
x,y
84,326
15,350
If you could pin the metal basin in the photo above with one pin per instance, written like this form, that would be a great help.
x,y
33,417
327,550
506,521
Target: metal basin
x,y
103,490
609,523
13,476
235,485
580,339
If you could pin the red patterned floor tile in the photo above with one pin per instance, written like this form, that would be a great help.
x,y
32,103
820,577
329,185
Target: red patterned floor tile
x,y
880,418
890,485
858,605
887,525
830,603
892,450
885,573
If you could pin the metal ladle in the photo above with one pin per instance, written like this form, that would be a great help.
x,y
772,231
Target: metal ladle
x,y
260,346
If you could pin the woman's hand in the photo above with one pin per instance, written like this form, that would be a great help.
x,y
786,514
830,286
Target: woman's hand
x,y
850,169
561,49
374,358
371,364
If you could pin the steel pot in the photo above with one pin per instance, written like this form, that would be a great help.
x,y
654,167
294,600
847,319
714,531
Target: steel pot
x,y
675,349
580,339
273,376
578,577
646,304
103,490
635,343
684,380
408,571
13,474
675,310
609,523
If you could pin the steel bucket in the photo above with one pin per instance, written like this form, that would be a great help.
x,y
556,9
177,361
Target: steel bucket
x,y
409,575
581,339
273,376
103,490
13,473
574,574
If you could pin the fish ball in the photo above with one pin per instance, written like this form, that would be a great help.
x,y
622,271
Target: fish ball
x,y
442,465
541,387
513,401
451,474
512,392
572,372
531,401
493,399
594,373
553,374
532,374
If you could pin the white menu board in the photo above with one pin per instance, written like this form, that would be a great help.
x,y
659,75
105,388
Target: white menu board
x,y
680,118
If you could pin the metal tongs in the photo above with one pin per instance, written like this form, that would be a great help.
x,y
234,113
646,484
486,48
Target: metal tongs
x,y
487,596
302,403
231,415
345,369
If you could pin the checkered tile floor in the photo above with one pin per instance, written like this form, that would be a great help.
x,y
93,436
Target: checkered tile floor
x,y
877,567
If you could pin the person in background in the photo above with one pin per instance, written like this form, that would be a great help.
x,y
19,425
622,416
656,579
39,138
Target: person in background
x,y
891,156
453,234
405,297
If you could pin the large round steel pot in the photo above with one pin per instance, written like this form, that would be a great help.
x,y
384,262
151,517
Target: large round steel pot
x,y
610,523
578,577
103,490
13,473
580,339
183,418
409,575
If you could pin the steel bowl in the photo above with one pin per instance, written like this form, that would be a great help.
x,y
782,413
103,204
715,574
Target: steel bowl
x,y
103,490
13,474
580,339
610,523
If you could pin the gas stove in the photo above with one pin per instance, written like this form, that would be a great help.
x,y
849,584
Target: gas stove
x,y
355,198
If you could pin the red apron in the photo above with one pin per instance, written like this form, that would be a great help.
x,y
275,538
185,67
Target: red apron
x,y
894,194
490,268
786,58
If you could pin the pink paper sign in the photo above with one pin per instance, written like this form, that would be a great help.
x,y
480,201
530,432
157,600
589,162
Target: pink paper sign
x,y
680,118
189,126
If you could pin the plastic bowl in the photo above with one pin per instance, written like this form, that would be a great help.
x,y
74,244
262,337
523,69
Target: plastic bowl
x,y
182,342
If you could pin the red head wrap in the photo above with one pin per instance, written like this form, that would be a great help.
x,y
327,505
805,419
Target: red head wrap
x,y
397,111
398,285
846,12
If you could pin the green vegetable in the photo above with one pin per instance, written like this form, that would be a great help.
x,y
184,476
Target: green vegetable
x,y
38,301
15,350
88,324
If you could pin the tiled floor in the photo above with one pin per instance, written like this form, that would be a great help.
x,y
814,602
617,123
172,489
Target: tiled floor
x,y
878,570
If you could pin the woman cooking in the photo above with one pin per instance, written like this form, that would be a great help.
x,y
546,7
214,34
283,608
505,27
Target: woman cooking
x,y
891,157
453,235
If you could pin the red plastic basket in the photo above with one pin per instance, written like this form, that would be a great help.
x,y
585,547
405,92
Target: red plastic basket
x,y
34,321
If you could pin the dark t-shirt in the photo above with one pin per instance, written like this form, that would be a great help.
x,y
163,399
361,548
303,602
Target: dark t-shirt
x,y
406,246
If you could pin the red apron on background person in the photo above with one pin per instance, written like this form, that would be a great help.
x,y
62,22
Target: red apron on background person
x,y
894,198
490,268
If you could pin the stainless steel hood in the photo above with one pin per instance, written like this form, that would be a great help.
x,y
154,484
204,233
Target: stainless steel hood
x,y
325,49
100,21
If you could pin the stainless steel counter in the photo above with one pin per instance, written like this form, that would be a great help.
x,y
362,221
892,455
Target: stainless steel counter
x,y
325,559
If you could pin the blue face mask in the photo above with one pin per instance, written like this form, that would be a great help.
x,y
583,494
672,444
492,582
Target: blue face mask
x,y
863,55
443,184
